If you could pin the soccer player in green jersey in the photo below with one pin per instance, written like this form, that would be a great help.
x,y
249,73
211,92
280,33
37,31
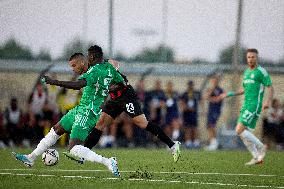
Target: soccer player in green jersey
x,y
255,79
95,79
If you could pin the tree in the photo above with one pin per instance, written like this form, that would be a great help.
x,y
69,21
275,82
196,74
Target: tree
x,y
200,61
14,50
226,55
75,46
159,54
44,54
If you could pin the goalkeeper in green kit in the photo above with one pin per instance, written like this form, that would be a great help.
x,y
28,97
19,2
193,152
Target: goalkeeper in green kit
x,y
255,80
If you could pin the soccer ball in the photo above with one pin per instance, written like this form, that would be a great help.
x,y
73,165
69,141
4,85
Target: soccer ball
x,y
50,157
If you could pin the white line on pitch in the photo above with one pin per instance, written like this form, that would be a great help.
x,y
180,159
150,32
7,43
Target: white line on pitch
x,y
149,180
154,172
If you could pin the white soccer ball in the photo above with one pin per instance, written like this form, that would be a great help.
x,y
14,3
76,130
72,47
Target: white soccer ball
x,y
50,157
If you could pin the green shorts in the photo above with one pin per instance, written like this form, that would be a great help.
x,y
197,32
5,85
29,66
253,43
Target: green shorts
x,y
79,122
248,118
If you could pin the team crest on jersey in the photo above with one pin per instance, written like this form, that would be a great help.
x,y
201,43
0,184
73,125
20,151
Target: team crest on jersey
x,y
252,76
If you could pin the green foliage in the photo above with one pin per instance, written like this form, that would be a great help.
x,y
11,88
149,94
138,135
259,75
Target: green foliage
x,y
226,55
200,61
13,50
159,54
75,46
43,55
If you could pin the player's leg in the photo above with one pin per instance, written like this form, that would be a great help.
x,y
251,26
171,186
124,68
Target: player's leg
x,y
253,144
153,128
80,132
105,120
48,141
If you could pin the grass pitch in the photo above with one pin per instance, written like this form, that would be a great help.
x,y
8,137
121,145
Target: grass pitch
x,y
147,168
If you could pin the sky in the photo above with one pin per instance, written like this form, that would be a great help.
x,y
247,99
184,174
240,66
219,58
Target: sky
x,y
195,28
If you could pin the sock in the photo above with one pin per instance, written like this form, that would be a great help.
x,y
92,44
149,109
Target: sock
x,y
93,138
87,154
250,146
157,131
250,137
49,140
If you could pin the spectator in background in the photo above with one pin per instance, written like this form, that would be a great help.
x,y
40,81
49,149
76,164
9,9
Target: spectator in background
x,y
13,119
120,133
53,91
140,135
272,124
3,135
156,102
172,121
189,105
213,95
36,103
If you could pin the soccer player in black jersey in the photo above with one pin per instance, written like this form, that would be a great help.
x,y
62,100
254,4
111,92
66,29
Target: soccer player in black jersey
x,y
122,98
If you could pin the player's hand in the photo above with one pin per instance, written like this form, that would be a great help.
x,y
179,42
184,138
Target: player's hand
x,y
45,80
222,96
265,105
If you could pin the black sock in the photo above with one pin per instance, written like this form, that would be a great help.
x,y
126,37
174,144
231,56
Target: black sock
x,y
93,138
157,131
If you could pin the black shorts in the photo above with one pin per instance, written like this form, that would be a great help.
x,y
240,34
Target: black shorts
x,y
128,102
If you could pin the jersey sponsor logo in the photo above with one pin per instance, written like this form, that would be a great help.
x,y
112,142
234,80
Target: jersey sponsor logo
x,y
130,108
247,81
252,76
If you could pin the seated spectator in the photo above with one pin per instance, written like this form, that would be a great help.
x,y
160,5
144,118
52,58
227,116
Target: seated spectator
x,y
13,119
272,124
3,135
120,133
189,105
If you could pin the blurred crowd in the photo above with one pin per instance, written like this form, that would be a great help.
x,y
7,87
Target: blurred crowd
x,y
177,114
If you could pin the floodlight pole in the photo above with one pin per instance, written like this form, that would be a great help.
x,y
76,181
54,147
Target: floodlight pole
x,y
235,64
110,29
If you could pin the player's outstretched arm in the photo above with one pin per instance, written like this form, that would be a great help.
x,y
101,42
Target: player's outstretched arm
x,y
232,93
268,101
77,85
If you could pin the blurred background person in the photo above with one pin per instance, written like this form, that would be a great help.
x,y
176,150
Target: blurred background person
x,y
157,102
213,96
37,101
140,135
13,120
272,125
172,121
189,101
3,134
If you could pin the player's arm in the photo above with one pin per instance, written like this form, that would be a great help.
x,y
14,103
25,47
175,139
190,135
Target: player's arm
x,y
77,85
114,63
232,93
268,101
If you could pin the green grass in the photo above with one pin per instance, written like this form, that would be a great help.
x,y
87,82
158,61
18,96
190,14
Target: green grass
x,y
148,168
